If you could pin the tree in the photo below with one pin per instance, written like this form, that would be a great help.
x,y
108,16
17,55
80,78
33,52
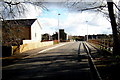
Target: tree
x,y
116,41
11,10
82,7
112,18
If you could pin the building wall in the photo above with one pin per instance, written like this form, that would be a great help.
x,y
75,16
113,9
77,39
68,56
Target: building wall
x,y
29,46
36,31
63,35
13,34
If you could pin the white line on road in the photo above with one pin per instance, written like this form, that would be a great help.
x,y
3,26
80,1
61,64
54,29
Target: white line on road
x,y
51,48
46,50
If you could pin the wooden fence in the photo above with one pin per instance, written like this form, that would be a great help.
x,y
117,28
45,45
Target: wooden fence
x,y
106,44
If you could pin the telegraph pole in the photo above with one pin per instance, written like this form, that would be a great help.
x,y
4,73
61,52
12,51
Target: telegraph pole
x,y
58,29
87,30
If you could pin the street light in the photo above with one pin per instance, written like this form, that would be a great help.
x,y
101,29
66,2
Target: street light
x,y
58,29
87,30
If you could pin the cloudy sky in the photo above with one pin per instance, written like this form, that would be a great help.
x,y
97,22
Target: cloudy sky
x,y
75,23
72,21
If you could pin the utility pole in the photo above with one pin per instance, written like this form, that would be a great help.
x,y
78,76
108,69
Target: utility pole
x,y
87,30
58,29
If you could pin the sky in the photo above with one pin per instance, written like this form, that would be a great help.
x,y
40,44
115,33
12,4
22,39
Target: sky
x,y
73,22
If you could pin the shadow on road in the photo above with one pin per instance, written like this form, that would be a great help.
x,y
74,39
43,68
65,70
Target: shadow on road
x,y
54,67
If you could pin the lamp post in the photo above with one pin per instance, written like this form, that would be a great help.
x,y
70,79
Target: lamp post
x,y
87,30
58,29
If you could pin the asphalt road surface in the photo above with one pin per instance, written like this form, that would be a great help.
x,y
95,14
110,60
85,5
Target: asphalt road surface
x,y
64,62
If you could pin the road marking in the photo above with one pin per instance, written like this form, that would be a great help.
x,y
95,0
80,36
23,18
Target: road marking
x,y
46,50
51,48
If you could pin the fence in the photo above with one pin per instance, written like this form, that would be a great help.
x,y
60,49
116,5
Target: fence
x,y
106,44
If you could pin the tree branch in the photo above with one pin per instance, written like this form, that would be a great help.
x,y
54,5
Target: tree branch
x,y
10,3
93,8
116,6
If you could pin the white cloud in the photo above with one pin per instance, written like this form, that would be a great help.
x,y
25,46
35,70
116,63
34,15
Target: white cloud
x,y
48,21
32,11
23,10
49,25
76,23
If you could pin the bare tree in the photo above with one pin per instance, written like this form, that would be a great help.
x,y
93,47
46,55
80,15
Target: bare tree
x,y
11,10
116,41
110,14
97,6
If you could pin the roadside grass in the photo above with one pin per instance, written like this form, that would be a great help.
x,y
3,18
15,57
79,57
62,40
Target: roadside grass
x,y
108,65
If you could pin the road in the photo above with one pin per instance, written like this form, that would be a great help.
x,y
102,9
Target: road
x,y
68,61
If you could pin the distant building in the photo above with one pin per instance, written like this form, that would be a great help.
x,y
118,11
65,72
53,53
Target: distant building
x,y
78,38
63,35
55,36
46,37
15,31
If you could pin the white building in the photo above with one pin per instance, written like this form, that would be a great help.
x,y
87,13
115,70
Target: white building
x,y
36,31
22,30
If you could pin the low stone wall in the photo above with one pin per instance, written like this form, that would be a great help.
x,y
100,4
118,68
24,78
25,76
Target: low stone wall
x,y
30,46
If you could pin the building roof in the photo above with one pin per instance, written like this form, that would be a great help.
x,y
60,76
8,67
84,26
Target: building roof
x,y
19,22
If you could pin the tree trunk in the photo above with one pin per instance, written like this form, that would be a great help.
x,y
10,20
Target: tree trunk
x,y
116,42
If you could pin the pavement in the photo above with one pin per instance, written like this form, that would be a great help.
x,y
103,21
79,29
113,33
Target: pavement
x,y
30,52
12,59
58,62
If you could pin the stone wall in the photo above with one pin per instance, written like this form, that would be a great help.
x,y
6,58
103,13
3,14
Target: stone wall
x,y
30,46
